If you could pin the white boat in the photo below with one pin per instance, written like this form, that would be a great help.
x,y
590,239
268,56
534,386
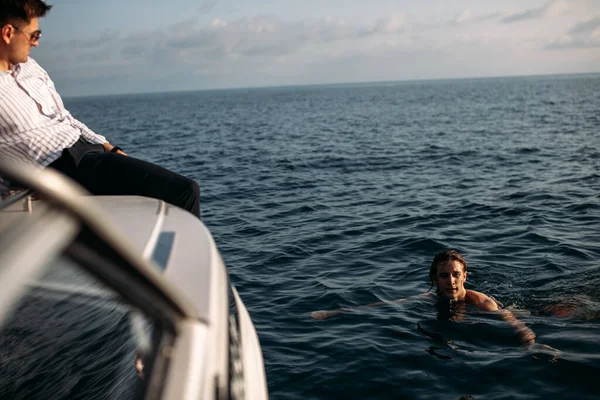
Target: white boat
x,y
188,335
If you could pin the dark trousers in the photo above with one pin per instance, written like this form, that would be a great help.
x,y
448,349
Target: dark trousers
x,y
103,173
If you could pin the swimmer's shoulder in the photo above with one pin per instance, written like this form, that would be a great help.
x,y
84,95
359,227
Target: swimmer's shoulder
x,y
429,297
481,301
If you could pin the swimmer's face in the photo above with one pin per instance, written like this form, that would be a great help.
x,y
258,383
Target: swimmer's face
x,y
450,280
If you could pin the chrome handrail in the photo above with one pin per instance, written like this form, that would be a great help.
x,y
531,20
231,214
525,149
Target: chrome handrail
x,y
66,194
15,198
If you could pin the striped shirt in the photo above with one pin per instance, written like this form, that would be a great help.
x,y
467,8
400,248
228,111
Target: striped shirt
x,y
34,125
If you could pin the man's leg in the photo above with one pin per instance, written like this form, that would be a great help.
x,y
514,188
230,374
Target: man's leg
x,y
115,174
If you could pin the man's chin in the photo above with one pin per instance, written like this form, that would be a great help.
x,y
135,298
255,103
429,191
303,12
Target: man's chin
x,y
451,295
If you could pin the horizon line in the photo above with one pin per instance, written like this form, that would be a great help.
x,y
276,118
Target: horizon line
x,y
330,84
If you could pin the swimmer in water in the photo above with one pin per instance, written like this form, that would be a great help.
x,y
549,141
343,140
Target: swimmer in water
x,y
448,272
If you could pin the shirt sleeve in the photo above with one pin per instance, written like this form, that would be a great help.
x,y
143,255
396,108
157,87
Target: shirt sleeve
x,y
88,134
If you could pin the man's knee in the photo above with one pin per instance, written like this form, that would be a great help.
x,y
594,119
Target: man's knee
x,y
193,188
191,197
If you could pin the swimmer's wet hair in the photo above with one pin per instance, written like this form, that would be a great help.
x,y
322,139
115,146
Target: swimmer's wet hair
x,y
441,259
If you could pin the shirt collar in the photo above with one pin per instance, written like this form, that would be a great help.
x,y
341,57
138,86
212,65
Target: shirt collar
x,y
14,70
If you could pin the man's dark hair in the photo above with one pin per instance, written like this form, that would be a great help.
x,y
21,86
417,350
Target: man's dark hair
x,y
24,10
441,259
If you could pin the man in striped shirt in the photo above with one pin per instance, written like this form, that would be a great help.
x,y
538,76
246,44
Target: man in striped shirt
x,y
36,128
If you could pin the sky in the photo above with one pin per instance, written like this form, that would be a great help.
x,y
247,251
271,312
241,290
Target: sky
x,y
138,46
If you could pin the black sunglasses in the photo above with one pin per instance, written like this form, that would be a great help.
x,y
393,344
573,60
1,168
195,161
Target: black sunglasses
x,y
33,37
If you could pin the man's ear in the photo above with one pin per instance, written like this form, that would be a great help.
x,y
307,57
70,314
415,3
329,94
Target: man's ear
x,y
6,33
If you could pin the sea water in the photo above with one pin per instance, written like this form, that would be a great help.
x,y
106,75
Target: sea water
x,y
321,197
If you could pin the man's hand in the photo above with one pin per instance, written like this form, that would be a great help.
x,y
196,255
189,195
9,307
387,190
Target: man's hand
x,y
108,148
544,351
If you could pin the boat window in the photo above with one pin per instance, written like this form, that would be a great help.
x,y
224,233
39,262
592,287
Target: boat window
x,y
71,336
162,250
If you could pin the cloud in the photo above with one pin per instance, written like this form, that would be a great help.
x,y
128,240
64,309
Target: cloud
x,y
552,8
208,6
133,51
583,35
268,50
101,50
98,41
586,26
392,24
258,43
257,36
568,42
467,16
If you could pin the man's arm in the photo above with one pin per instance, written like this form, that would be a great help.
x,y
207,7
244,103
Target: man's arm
x,y
324,314
109,147
64,114
484,302
89,135
526,335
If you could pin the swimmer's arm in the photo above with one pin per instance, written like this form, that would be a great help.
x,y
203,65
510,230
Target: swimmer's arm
x,y
526,335
485,303
324,314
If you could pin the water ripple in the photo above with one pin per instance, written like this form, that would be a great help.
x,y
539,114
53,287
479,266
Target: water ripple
x,y
329,197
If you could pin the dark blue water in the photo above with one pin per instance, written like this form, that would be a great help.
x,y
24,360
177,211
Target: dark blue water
x,y
329,197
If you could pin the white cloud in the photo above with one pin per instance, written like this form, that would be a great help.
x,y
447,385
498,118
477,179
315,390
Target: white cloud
x,y
570,42
260,43
586,26
465,16
558,8
267,50
217,23
554,8
255,36
583,35
392,24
